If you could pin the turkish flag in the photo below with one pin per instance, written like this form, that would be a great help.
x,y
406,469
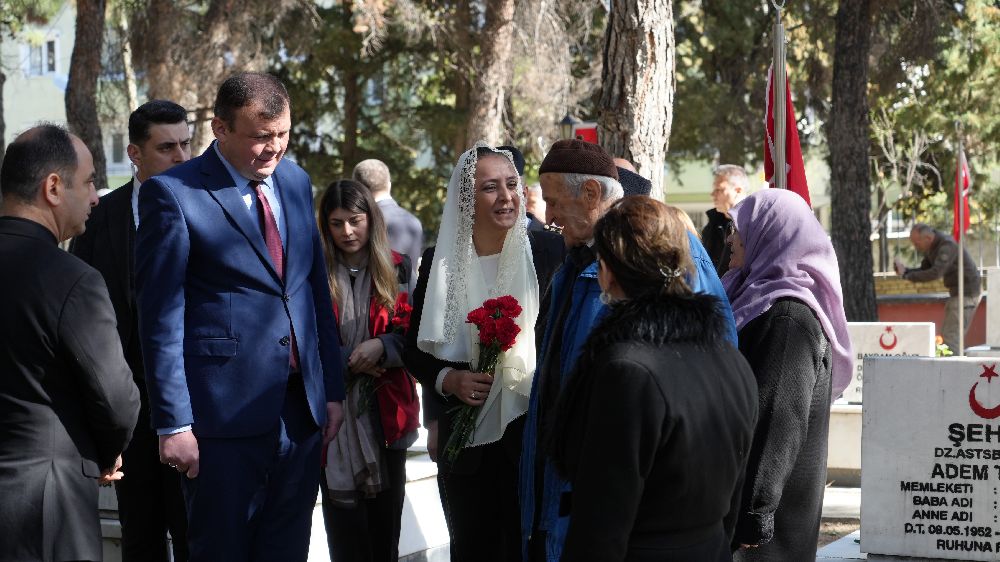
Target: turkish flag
x,y
794,168
962,183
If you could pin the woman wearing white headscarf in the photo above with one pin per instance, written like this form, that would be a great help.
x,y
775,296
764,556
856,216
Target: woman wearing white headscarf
x,y
483,251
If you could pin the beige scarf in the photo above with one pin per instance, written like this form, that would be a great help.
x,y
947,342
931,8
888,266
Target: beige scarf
x,y
354,467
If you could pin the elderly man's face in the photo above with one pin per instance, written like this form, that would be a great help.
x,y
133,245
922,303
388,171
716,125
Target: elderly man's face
x,y
576,215
921,242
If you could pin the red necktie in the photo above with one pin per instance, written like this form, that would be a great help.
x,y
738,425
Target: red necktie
x,y
272,239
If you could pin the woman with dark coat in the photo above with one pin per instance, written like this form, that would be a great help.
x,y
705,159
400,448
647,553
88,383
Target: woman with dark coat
x,y
483,250
654,426
784,286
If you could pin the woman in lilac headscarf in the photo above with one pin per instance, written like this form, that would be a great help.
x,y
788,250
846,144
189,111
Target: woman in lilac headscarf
x,y
784,286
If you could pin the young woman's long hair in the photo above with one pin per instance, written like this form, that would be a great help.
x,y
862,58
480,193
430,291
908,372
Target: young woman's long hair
x,y
355,198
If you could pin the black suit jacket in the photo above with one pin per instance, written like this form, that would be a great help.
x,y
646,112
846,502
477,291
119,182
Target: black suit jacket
x,y
67,401
108,246
547,252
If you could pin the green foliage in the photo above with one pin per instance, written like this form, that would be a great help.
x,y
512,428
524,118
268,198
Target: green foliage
x,y
952,82
724,50
405,118
15,13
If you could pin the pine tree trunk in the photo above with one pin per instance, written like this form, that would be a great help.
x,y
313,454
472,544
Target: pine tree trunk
x,y
493,77
849,138
81,91
351,79
637,95
131,90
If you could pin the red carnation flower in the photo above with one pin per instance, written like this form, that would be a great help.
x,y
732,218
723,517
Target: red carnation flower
x,y
401,312
509,306
497,333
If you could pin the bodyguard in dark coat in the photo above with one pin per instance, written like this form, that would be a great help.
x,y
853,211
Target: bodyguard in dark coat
x,y
150,500
67,400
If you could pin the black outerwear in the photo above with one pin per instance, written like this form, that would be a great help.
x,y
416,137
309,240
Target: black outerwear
x,y
478,491
713,236
656,422
67,400
150,500
786,473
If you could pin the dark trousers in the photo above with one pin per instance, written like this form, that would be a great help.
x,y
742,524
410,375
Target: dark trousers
x,y
254,496
481,508
368,532
150,502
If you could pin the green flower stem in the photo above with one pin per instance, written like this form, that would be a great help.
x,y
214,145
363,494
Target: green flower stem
x,y
464,425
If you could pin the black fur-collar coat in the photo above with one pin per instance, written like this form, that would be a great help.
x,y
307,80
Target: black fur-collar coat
x,y
655,427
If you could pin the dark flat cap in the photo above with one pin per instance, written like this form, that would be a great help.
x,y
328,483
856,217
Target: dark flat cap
x,y
516,156
633,183
578,157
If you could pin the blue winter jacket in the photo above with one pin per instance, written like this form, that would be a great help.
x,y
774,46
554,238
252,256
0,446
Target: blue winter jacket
x,y
585,312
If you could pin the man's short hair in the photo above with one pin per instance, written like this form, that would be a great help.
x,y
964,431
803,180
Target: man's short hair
x,y
611,189
245,88
373,174
924,229
155,112
733,174
32,156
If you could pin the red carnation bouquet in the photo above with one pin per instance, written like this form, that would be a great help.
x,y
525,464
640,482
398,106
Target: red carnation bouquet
x,y
400,323
497,334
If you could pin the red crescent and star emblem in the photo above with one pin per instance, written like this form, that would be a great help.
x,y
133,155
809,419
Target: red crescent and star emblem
x,y
977,408
881,339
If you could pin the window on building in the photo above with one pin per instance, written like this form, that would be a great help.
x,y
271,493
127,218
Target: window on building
x,y
42,58
35,60
50,56
117,148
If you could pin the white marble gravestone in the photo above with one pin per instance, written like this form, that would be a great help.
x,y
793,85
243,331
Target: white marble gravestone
x,y
993,306
930,458
877,339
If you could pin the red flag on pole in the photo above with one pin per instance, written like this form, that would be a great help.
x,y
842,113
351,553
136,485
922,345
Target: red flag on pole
x,y
962,183
794,168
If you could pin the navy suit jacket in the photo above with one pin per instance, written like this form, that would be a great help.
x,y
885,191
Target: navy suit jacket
x,y
215,318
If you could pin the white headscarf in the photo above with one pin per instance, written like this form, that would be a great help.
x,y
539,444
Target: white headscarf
x,y
456,286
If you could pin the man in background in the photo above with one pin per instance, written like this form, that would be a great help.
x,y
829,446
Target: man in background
x,y
940,253
406,234
67,400
150,501
534,207
729,186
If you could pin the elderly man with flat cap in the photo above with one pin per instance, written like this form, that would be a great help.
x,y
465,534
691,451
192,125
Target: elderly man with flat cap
x,y
579,182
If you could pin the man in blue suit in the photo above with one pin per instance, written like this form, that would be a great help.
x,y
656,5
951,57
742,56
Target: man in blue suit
x,y
240,345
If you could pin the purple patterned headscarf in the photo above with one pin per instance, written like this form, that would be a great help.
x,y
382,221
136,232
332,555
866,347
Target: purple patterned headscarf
x,y
788,254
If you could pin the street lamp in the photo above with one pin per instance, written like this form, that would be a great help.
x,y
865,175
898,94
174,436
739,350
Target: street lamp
x,y
566,126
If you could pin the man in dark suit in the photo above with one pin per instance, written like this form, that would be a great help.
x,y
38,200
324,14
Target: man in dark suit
x,y
67,400
150,501
239,341
406,234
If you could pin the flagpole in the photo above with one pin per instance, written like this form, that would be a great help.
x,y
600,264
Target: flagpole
x,y
960,201
778,77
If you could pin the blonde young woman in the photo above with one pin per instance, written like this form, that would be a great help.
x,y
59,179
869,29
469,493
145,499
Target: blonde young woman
x,y
483,250
364,476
